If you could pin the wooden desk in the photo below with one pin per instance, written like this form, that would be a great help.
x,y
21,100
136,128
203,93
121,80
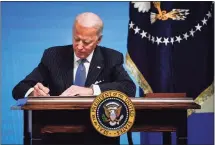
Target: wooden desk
x,y
50,115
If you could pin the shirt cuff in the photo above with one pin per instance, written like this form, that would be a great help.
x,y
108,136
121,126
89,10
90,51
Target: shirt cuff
x,y
29,92
96,90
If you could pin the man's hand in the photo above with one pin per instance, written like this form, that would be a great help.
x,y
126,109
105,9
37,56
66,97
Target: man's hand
x,y
40,90
77,91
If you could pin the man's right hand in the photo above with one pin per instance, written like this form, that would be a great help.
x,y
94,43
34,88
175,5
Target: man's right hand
x,y
40,90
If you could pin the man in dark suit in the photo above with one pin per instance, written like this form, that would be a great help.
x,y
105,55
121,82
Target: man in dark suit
x,y
81,69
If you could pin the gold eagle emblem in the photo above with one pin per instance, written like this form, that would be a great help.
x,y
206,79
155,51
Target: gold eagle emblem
x,y
174,14
112,112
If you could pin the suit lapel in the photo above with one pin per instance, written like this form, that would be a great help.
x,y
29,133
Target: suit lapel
x,y
96,66
68,68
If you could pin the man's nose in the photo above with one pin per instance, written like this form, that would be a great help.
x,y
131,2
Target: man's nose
x,y
80,45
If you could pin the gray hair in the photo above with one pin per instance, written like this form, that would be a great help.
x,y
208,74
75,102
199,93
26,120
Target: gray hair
x,y
89,19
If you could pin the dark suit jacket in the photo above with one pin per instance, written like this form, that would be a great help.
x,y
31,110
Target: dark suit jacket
x,y
56,72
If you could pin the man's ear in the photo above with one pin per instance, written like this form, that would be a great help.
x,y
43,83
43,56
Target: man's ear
x,y
100,38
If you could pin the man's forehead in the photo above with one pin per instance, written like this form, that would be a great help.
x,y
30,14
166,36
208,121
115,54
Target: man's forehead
x,y
84,37
81,29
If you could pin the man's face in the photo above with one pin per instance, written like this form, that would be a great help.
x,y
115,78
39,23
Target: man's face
x,y
84,40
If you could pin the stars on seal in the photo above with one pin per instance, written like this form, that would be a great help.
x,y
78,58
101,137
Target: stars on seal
x,y
131,25
185,36
172,40
166,41
198,27
178,38
204,21
136,30
153,39
192,32
209,14
143,34
159,40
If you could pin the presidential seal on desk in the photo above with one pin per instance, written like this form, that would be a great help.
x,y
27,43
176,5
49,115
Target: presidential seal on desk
x,y
112,113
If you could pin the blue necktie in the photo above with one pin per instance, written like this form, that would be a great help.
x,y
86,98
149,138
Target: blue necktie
x,y
80,76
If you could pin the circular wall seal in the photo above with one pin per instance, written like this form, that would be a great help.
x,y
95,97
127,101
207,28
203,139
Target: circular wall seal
x,y
112,113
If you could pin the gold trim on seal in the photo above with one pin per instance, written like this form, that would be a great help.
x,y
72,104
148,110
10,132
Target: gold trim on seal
x,y
112,132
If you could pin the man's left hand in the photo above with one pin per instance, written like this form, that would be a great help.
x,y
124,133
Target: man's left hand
x,y
77,91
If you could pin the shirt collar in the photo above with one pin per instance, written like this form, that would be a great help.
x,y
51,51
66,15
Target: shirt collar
x,y
89,58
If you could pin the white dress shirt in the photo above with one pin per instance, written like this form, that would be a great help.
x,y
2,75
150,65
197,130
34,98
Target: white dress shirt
x,y
96,89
